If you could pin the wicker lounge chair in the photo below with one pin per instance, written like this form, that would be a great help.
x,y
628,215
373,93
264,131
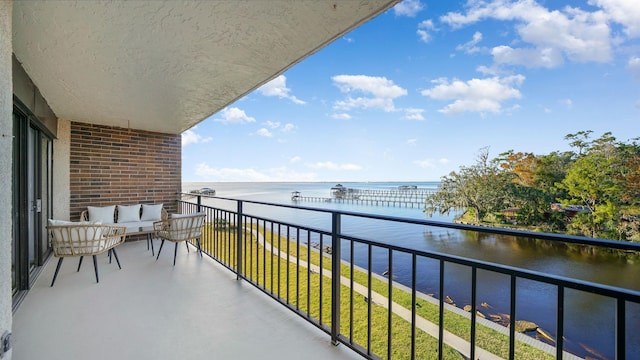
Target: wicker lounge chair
x,y
84,239
178,228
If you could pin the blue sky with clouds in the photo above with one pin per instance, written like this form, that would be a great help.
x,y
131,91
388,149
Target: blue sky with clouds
x,y
416,93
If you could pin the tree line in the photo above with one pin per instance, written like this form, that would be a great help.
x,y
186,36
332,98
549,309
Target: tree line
x,y
593,190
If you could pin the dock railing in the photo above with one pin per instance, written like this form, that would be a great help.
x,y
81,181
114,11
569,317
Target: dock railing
x,y
328,278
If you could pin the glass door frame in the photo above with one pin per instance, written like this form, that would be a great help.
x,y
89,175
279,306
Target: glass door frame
x,y
32,187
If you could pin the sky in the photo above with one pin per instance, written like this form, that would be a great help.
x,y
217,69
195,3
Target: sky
x,y
418,91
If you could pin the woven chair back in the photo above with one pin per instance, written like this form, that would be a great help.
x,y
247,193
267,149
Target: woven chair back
x,y
83,239
185,228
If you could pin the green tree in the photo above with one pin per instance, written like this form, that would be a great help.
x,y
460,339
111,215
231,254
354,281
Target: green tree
x,y
552,168
594,181
580,140
481,188
534,189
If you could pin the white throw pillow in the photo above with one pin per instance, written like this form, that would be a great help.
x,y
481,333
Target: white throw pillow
x,y
151,212
129,213
104,214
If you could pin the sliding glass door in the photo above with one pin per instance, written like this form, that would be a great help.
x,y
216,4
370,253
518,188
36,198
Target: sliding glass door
x,y
31,188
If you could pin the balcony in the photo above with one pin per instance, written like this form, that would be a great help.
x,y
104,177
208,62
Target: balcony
x,y
304,287
152,310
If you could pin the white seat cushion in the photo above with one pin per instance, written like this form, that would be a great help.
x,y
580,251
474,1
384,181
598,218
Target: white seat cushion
x,y
135,226
185,215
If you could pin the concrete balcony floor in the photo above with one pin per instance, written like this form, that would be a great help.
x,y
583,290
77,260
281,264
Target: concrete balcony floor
x,y
153,310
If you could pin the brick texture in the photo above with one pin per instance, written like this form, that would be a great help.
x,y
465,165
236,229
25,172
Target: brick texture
x,y
111,166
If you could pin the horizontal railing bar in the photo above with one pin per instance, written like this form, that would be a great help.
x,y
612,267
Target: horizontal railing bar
x,y
301,227
615,244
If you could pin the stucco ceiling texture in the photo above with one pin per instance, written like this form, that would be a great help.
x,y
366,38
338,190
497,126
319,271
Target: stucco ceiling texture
x,y
166,65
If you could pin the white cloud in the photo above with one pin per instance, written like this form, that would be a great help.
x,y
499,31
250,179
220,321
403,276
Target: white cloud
x,y
278,87
552,36
365,103
625,12
329,165
470,46
348,39
475,95
379,90
431,163
341,116
529,57
568,103
295,159
424,29
413,114
408,8
412,141
426,163
191,137
485,70
234,115
229,174
264,132
273,124
378,86
634,66
209,173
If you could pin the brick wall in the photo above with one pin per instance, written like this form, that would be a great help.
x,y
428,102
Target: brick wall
x,y
111,166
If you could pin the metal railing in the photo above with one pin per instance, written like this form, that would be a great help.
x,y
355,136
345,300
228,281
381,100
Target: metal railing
x,y
314,273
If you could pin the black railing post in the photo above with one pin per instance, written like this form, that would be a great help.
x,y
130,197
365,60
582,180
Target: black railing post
x,y
560,324
199,203
239,233
621,352
335,277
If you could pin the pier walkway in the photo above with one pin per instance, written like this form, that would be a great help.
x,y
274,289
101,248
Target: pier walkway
x,y
413,198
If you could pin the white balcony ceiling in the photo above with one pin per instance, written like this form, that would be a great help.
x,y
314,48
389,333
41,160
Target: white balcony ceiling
x,y
167,65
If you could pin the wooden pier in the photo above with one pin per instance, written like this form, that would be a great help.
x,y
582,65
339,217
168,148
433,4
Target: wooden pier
x,y
412,197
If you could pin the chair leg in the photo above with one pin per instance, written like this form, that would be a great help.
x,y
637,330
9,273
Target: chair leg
x,y
80,263
55,275
175,252
95,267
159,250
109,255
199,247
116,256
150,240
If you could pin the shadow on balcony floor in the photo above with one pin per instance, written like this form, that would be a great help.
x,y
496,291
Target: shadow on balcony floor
x,y
152,310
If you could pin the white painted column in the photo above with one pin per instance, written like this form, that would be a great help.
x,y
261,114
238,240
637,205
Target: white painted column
x,y
6,146
62,172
